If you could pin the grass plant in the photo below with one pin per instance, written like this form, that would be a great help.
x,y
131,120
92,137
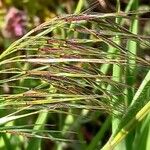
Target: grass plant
x,y
72,70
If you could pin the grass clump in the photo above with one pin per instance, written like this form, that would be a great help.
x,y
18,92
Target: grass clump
x,y
72,70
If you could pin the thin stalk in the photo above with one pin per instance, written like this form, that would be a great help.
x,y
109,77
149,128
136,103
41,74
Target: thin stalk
x,y
99,135
127,128
148,135
132,47
79,7
136,119
143,135
105,67
117,72
141,88
35,144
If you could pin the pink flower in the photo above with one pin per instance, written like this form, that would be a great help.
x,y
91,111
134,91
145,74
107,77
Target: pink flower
x,y
15,23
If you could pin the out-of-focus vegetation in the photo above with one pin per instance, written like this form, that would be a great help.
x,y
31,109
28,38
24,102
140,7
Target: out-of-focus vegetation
x,y
74,73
